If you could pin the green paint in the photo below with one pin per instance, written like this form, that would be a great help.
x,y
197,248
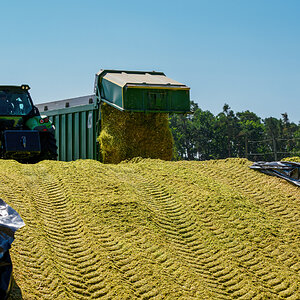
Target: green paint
x,y
34,124
15,119
129,94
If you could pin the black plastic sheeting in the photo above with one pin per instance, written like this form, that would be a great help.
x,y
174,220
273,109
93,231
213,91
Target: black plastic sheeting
x,y
10,222
284,169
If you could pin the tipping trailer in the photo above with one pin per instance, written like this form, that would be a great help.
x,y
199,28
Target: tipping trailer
x,y
78,120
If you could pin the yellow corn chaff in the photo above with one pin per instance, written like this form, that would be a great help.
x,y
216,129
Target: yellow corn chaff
x,y
125,135
293,159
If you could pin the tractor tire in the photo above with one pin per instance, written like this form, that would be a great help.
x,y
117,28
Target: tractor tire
x,y
48,146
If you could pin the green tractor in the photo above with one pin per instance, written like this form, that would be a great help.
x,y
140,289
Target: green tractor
x,y
25,135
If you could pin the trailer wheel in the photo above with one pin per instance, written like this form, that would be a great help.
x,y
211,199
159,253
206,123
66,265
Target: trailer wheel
x,y
48,146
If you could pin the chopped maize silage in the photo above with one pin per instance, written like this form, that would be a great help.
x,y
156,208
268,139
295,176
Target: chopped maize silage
x,y
294,159
125,135
152,230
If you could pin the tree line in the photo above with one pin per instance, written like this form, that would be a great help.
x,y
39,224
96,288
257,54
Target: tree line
x,y
203,135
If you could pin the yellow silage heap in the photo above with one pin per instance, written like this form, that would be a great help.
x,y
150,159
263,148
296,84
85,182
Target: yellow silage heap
x,y
125,135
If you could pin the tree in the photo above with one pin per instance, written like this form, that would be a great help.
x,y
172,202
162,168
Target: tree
x,y
204,138
251,129
182,129
227,129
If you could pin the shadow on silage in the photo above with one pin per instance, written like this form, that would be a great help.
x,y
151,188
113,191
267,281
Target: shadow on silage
x,y
15,293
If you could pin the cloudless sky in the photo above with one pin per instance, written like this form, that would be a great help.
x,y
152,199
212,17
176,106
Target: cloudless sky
x,y
242,52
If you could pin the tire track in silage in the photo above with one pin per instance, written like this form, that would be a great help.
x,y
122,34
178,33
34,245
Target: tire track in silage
x,y
117,253
214,218
127,252
32,269
66,237
263,266
127,263
261,188
241,274
218,277
78,248
185,280
129,268
181,230
60,227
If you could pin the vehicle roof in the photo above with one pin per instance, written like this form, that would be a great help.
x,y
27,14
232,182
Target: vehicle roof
x,y
122,78
12,87
71,102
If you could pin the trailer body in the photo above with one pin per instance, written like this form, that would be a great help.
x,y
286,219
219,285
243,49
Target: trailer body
x,y
78,120
75,122
142,91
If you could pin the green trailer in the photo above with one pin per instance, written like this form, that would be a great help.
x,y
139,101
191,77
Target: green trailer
x,y
78,120
142,91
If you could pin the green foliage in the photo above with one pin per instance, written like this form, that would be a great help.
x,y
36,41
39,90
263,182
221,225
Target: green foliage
x,y
203,136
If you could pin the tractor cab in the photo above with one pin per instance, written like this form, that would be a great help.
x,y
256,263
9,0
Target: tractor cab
x,y
25,135
15,101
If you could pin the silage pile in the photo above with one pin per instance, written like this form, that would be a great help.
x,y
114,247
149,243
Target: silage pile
x,y
125,135
151,229
294,159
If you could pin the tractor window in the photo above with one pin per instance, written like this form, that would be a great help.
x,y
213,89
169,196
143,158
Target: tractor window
x,y
14,103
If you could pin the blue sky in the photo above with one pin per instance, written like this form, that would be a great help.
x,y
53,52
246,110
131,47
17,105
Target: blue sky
x,y
244,53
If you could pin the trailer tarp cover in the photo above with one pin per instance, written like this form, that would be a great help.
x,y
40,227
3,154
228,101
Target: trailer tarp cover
x,y
284,169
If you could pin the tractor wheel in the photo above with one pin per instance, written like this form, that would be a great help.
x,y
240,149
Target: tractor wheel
x,y
48,146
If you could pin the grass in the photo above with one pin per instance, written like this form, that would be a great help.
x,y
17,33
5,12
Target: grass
x,y
148,228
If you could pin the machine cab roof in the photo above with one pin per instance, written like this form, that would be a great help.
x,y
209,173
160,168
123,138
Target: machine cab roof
x,y
15,100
